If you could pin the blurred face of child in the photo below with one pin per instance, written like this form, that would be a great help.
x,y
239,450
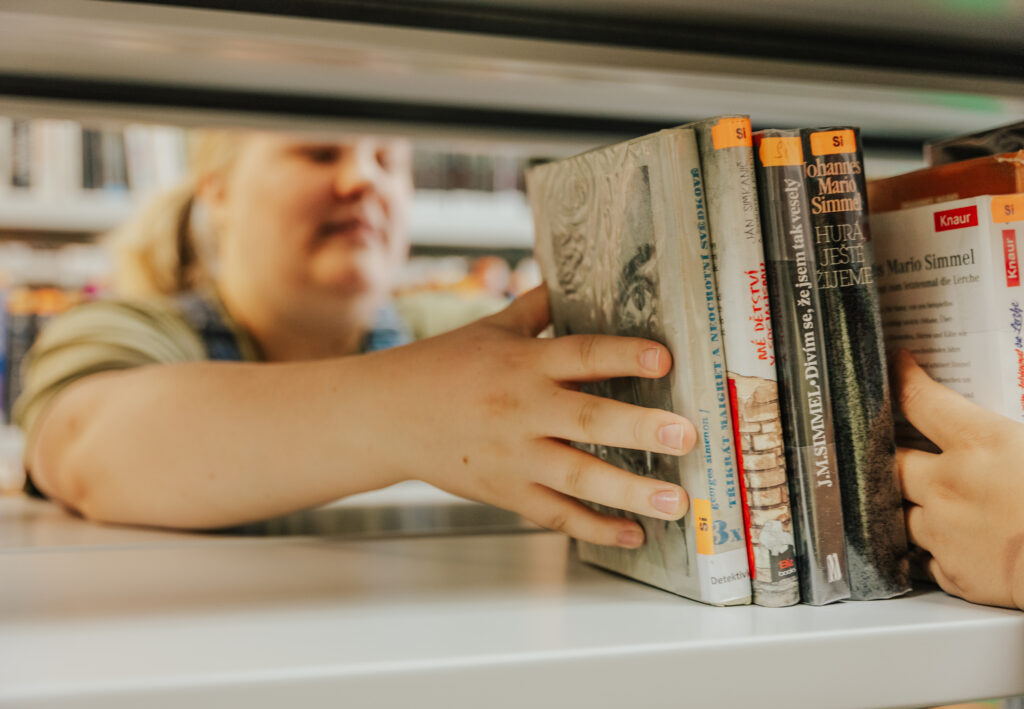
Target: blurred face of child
x,y
304,224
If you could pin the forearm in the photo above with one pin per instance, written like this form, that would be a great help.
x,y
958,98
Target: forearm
x,y
206,444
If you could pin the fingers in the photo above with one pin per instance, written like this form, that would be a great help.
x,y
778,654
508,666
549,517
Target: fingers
x,y
583,476
935,410
919,560
593,419
528,314
917,531
913,467
561,513
935,573
585,358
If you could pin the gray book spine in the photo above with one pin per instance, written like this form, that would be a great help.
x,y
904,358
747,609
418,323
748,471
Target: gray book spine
x,y
802,367
727,163
876,538
623,245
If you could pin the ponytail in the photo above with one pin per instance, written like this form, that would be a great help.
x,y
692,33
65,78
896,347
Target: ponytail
x,y
159,251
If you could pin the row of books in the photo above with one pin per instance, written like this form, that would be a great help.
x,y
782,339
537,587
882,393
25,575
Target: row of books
x,y
49,158
750,255
436,170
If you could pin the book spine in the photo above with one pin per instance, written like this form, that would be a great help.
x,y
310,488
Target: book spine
x,y
1004,218
876,541
797,314
727,164
21,176
725,570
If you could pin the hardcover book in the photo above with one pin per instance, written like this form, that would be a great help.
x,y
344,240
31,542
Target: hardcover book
x,y
950,289
623,244
995,174
876,540
802,368
727,164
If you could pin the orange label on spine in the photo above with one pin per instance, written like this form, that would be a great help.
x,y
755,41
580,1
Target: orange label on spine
x,y
833,142
1007,208
781,151
705,529
731,133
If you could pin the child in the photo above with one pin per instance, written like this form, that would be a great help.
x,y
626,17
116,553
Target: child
x,y
235,379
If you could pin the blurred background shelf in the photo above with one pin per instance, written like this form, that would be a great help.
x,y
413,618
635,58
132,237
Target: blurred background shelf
x,y
565,75
439,218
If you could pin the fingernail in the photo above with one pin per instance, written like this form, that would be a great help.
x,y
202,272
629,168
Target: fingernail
x,y
630,538
671,435
649,359
666,501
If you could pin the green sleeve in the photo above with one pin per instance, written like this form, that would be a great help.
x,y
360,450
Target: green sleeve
x,y
97,337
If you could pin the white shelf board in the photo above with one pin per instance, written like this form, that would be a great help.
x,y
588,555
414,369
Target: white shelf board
x,y
78,214
150,618
471,218
437,218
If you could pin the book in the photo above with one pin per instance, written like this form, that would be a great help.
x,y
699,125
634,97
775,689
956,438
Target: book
x,y
950,289
797,325
876,538
21,176
623,244
992,141
727,165
6,154
995,174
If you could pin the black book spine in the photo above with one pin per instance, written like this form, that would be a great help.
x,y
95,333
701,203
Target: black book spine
x,y
796,316
876,538
21,155
92,160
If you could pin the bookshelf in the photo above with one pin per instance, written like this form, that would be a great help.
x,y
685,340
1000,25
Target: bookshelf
x,y
501,617
545,78
438,218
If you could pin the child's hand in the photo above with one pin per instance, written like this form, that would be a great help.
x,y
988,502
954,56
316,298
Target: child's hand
x,y
965,505
486,412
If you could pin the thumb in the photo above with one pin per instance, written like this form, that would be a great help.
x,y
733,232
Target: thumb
x,y
934,409
528,314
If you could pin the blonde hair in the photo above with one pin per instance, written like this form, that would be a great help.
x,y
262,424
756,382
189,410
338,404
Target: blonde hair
x,y
160,251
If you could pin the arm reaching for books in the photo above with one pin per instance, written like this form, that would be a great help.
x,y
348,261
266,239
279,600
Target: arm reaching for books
x,y
963,504
483,412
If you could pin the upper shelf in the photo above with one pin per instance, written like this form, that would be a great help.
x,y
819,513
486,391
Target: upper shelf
x,y
511,71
